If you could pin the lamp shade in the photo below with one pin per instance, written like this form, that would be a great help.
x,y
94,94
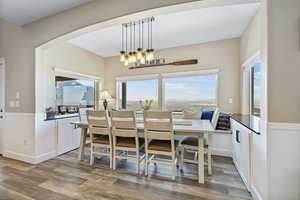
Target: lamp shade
x,y
105,95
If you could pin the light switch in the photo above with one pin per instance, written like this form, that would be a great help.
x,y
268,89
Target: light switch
x,y
17,95
12,104
230,100
17,104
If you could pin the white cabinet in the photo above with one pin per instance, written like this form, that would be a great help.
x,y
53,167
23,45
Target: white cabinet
x,y
241,151
68,138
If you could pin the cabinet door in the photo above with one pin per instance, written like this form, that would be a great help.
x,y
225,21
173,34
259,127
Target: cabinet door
x,y
65,136
241,150
235,145
244,155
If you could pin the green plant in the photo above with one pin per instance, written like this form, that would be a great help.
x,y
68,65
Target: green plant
x,y
147,104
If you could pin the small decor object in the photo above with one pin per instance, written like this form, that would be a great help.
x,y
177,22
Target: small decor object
x,y
50,113
155,63
147,104
105,96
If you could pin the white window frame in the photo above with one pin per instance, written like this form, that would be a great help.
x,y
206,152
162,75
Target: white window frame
x,y
247,82
161,83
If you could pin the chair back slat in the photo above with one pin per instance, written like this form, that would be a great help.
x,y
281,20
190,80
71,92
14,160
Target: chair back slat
x,y
99,131
83,114
98,122
124,132
123,123
122,114
157,115
159,135
158,125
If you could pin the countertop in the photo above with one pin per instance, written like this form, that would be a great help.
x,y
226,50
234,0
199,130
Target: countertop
x,y
57,117
249,121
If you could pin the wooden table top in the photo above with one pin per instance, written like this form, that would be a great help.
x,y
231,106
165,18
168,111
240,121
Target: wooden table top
x,y
180,126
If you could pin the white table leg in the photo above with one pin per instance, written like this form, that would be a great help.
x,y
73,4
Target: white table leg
x,y
201,159
82,143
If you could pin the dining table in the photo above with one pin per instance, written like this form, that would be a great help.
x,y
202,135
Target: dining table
x,y
182,127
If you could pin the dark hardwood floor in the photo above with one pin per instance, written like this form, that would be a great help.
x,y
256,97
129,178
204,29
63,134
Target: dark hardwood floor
x,y
65,178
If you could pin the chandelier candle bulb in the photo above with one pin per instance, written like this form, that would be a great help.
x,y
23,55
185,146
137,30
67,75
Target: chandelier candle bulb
x,y
122,56
139,54
134,56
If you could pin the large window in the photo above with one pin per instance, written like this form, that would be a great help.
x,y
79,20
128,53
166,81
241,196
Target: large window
x,y
190,93
255,89
132,92
171,91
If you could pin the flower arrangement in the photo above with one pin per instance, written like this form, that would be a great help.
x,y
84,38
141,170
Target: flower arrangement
x,y
147,104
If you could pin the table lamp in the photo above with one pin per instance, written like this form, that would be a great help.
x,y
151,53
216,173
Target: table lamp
x,y
105,96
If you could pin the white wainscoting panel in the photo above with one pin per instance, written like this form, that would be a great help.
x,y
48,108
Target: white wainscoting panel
x,y
284,161
19,137
221,144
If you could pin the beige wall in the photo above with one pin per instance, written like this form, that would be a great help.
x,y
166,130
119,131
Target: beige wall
x,y
251,39
251,43
71,58
19,76
222,55
284,61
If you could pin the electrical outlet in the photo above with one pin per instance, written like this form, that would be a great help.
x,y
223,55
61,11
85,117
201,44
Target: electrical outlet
x,y
18,95
230,100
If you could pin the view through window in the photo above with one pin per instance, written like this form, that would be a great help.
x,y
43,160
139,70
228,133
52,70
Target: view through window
x,y
140,90
190,93
178,92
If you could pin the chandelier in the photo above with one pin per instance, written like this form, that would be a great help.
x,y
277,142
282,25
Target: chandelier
x,y
133,52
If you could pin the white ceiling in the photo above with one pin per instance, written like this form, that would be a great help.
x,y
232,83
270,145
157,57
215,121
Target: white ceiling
x,y
177,29
25,11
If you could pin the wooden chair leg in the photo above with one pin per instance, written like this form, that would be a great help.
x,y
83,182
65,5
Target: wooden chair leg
x,y
114,159
111,161
182,159
200,160
174,168
146,164
137,163
92,155
209,160
174,171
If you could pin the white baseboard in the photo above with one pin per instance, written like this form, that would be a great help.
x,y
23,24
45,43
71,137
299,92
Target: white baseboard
x,y
221,152
28,158
44,157
19,156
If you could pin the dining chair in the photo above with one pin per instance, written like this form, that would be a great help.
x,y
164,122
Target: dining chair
x,y
159,139
191,143
125,137
100,133
83,114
